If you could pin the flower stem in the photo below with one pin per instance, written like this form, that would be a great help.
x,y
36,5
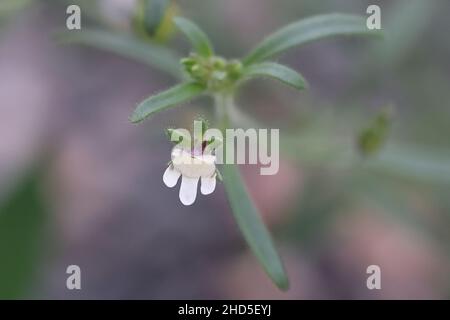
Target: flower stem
x,y
224,103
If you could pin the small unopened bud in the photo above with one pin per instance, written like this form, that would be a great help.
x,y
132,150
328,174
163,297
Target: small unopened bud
x,y
218,62
372,138
235,68
197,71
188,62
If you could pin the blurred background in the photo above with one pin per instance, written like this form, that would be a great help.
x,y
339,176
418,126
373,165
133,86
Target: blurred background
x,y
79,184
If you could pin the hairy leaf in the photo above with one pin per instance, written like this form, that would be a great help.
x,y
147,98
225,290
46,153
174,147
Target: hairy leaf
x,y
199,40
275,71
166,99
307,30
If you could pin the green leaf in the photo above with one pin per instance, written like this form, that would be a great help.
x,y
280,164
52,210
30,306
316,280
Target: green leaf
x,y
275,71
307,30
199,40
252,227
152,14
152,54
166,99
413,162
23,216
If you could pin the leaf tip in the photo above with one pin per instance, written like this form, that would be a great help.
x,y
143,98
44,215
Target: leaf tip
x,y
304,85
284,284
178,20
135,118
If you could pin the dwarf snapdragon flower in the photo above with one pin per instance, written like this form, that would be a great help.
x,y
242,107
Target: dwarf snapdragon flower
x,y
192,166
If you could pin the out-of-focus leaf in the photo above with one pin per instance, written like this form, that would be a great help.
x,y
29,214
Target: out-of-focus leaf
x,y
152,54
322,201
22,218
199,40
405,22
10,7
252,227
307,30
275,71
154,19
166,99
392,199
153,13
413,162
315,142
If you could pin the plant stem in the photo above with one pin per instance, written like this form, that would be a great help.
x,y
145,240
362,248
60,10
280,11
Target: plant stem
x,y
224,103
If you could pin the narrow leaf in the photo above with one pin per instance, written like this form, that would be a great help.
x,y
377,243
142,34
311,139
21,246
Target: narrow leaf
x,y
252,227
178,94
199,40
307,30
413,162
275,71
152,54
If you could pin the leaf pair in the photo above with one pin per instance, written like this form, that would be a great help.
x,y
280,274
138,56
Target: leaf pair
x,y
295,34
189,90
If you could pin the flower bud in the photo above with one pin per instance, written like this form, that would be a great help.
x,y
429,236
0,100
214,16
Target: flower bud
x,y
218,62
373,137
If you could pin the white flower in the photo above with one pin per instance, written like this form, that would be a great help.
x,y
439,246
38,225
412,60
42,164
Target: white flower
x,y
191,166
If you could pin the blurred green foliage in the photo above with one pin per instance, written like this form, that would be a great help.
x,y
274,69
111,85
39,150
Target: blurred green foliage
x,y
153,19
9,8
23,216
372,138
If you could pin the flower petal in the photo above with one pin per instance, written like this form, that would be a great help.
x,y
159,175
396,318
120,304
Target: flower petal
x,y
208,184
171,176
188,190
